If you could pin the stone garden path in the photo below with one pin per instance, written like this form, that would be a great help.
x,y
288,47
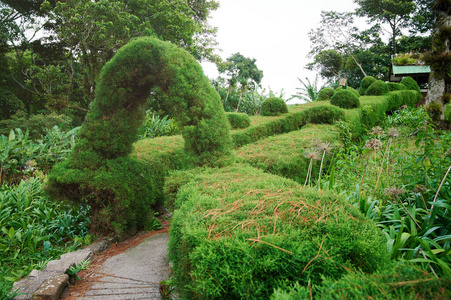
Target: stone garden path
x,y
132,269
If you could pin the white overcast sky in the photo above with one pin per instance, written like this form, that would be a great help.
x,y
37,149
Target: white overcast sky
x,y
275,33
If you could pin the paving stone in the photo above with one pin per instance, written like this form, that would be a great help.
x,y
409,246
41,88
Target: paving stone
x,y
67,260
52,288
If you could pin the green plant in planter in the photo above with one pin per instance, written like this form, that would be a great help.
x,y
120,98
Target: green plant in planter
x,y
273,107
100,172
345,99
377,88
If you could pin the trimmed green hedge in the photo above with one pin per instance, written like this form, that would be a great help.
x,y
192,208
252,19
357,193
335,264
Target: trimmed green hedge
x,y
284,154
394,86
410,83
377,88
365,83
273,107
238,120
239,233
325,94
345,99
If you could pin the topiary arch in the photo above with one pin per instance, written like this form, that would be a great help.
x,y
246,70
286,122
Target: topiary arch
x,y
120,189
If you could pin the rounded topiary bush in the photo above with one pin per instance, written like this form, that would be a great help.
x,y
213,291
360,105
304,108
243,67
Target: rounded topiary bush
x,y
324,114
365,83
238,120
410,83
345,99
351,89
394,86
325,94
377,88
448,112
273,107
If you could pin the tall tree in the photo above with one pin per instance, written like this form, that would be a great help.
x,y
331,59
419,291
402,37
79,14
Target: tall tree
x,y
329,63
396,13
439,58
243,70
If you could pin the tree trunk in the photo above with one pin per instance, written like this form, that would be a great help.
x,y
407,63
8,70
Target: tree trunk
x,y
243,90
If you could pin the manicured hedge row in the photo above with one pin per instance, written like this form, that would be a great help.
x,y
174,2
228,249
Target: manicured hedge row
x,y
239,233
238,120
284,154
316,114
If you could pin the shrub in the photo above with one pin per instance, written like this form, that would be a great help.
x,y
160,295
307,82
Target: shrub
x,y
410,83
394,86
154,126
448,112
345,99
36,125
100,172
325,94
365,83
353,90
9,104
324,114
273,106
238,120
238,233
377,88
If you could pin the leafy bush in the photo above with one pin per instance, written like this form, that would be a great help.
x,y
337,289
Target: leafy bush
x,y
240,233
325,94
121,190
349,88
273,107
324,114
410,83
377,88
365,83
448,112
9,104
394,86
36,125
34,230
434,111
153,126
238,120
345,99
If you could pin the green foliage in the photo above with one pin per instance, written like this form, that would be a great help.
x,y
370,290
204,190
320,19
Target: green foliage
x,y
240,233
121,190
325,94
448,112
285,154
238,120
324,114
345,99
36,125
410,283
434,110
410,83
83,265
154,126
34,229
9,104
329,63
365,83
377,88
273,107
394,86
21,157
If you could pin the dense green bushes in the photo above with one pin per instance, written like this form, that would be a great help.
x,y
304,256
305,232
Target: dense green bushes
x,y
324,114
345,99
238,120
288,155
365,83
377,88
325,94
273,107
120,189
448,112
394,86
9,104
410,83
240,233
